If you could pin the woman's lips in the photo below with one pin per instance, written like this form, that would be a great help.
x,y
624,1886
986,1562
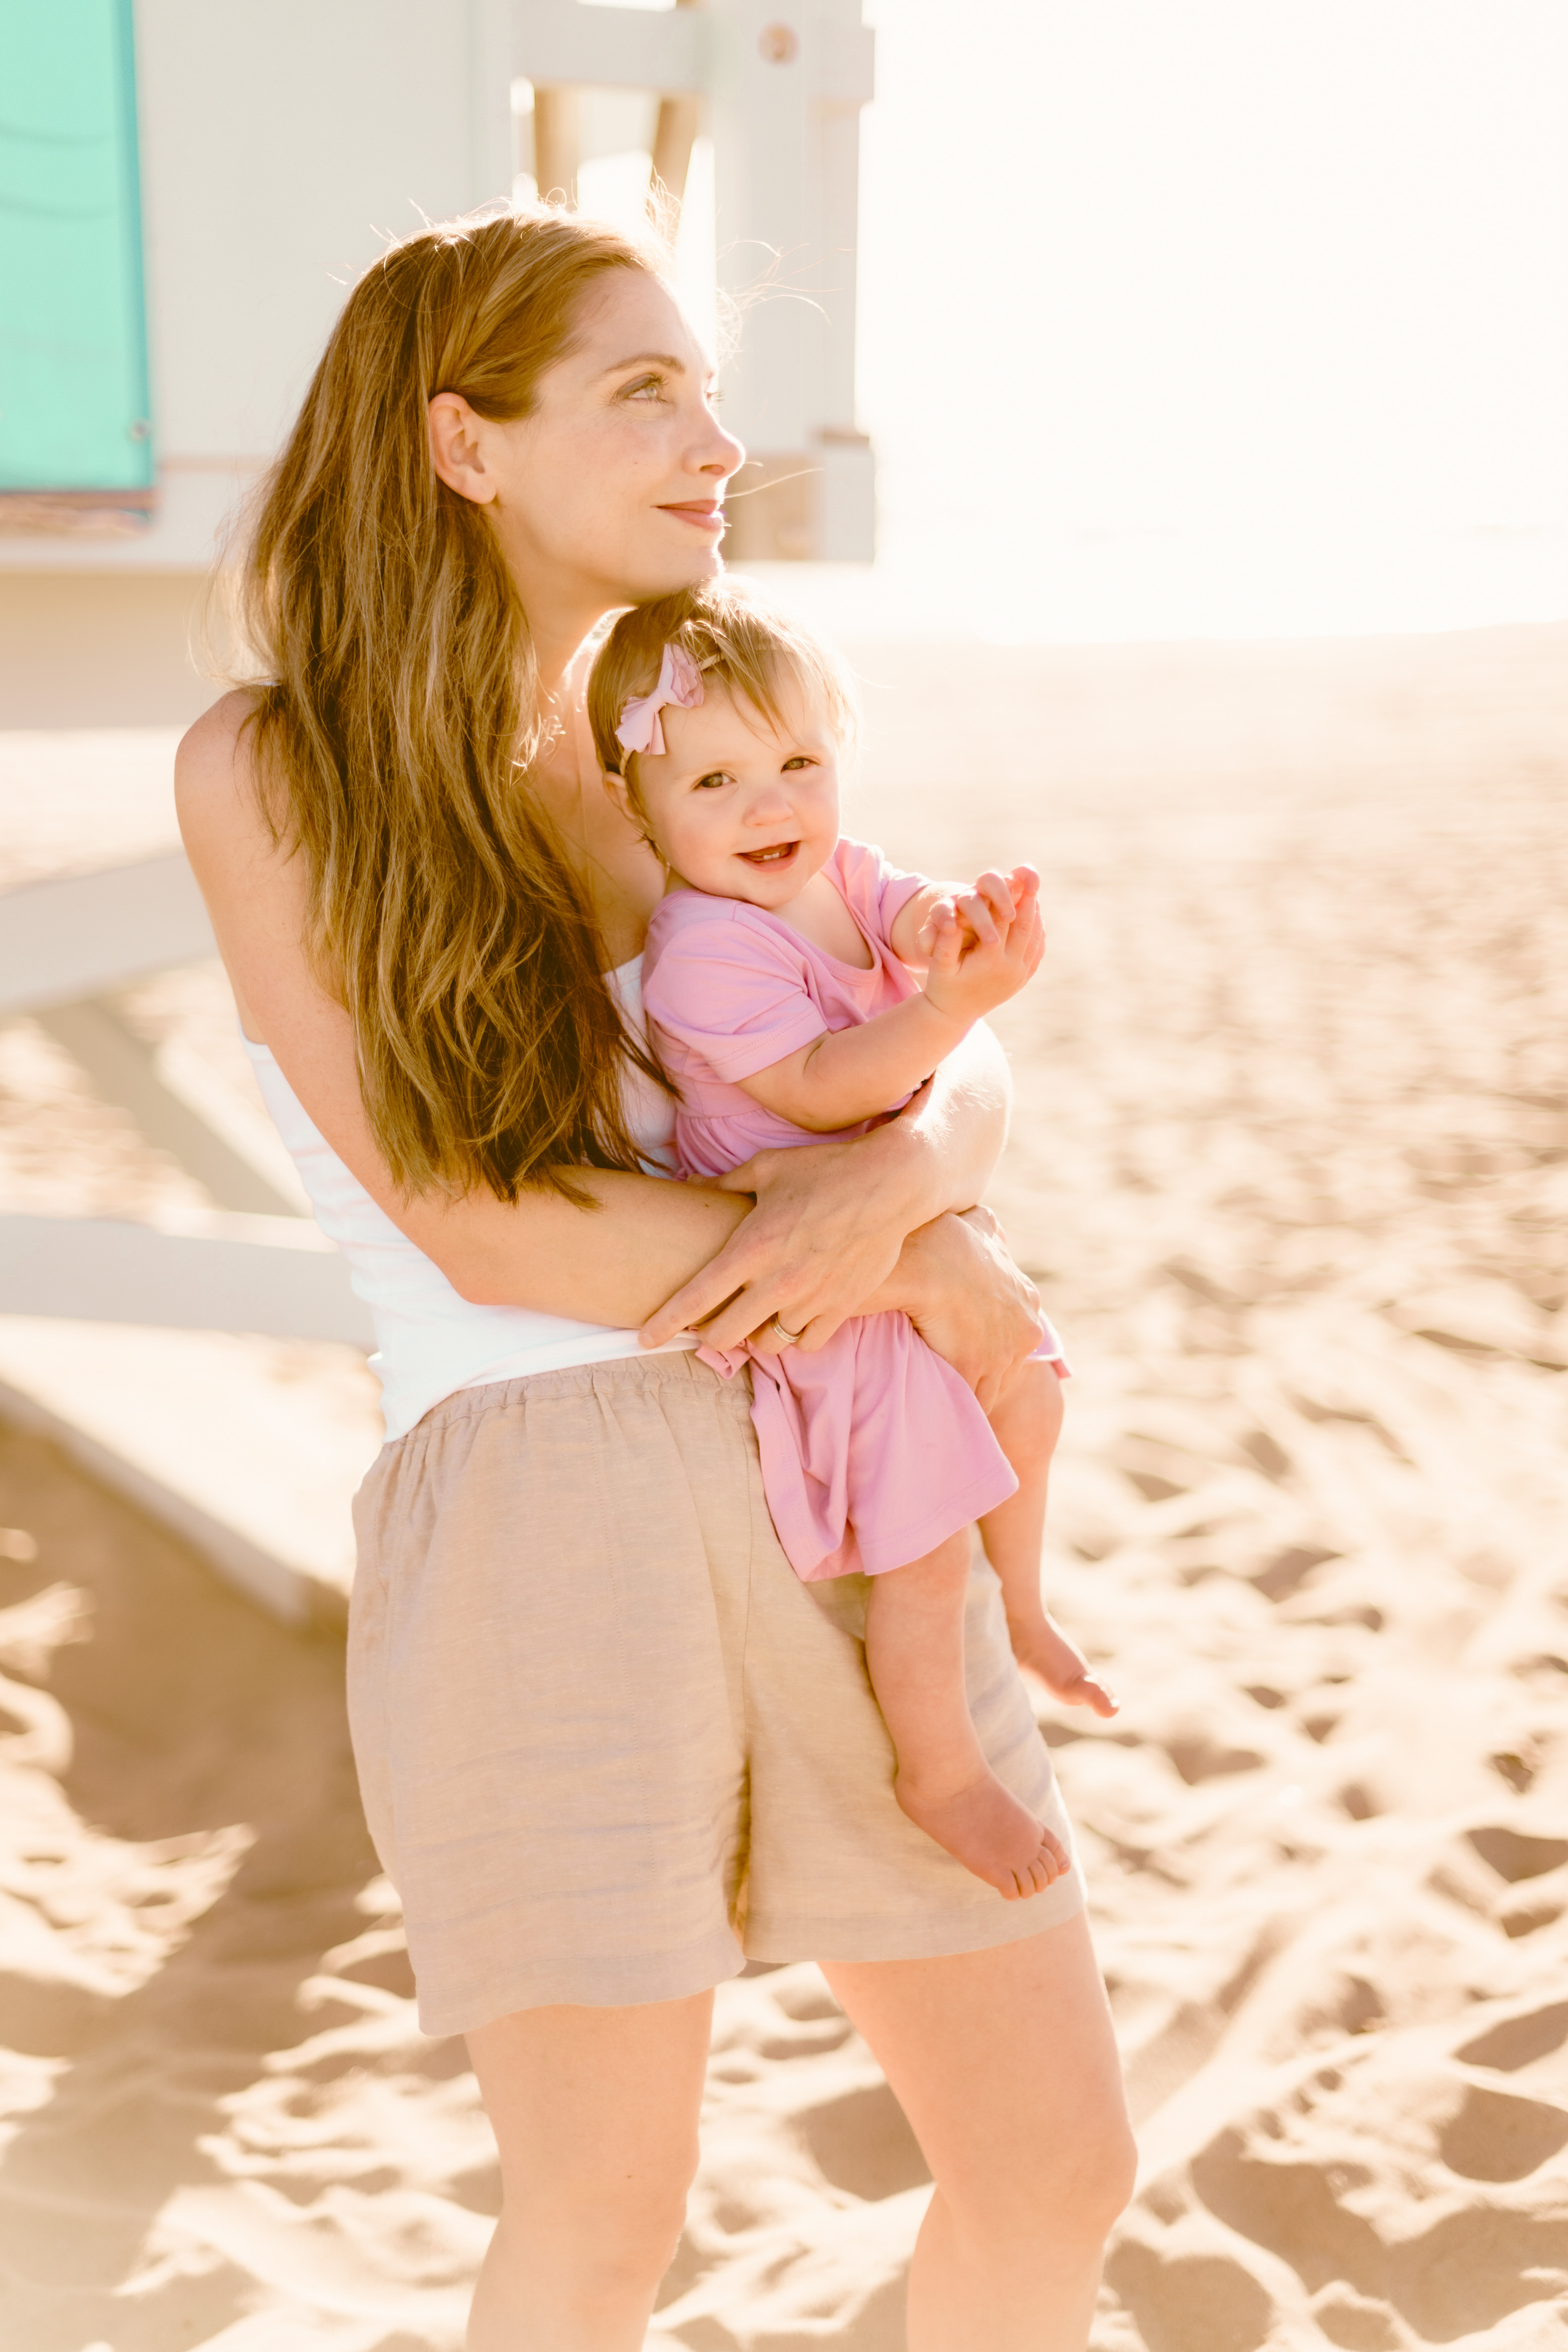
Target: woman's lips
x,y
709,517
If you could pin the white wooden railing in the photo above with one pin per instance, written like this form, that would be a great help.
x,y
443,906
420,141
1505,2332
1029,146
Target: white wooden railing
x,y
253,1262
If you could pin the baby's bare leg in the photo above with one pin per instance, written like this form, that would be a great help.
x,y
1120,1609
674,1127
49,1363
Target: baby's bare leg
x,y
1027,1420
914,1649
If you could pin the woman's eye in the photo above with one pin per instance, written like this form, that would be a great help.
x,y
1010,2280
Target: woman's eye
x,y
650,387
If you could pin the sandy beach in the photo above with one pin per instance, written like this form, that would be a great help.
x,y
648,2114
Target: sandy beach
x,y
1290,1164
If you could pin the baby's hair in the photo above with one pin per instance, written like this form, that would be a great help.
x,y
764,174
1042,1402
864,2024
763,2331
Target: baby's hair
x,y
735,641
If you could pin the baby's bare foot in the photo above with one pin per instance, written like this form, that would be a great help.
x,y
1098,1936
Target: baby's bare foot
x,y
990,1832
1042,1648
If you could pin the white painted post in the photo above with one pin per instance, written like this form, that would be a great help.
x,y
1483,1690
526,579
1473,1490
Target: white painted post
x,y
784,81
675,134
788,83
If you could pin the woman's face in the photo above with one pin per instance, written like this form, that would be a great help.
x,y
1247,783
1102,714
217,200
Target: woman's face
x,y
610,493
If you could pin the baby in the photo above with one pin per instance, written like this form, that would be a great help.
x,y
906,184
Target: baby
x,y
781,986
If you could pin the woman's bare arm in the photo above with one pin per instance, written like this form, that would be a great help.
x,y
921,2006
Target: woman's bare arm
x,y
829,1226
825,1239
959,1286
615,1265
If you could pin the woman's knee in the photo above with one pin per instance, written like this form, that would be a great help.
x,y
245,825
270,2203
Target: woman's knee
x,y
1066,2189
1110,2174
1095,2182
622,2220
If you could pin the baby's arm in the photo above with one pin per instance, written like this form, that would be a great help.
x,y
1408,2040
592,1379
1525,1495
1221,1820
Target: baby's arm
x,y
981,948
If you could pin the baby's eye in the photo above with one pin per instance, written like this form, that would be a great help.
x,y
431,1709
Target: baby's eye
x,y
712,782
797,760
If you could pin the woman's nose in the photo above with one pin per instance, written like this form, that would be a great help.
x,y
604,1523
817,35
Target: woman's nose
x,y
722,453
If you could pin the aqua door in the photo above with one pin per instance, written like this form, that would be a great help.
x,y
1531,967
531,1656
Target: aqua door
x,y
73,341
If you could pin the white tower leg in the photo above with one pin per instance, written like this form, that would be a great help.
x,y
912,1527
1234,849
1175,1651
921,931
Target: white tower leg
x,y
783,82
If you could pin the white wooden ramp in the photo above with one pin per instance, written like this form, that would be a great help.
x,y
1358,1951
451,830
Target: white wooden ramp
x,y
211,1367
249,1449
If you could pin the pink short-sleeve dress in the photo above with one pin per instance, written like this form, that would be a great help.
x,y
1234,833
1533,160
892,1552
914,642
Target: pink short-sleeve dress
x,y
874,1450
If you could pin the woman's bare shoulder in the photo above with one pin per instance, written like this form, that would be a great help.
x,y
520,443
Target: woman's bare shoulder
x,y
215,782
255,888
256,894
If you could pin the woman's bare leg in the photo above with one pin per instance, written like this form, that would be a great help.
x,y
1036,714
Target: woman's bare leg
x,y
594,2112
1005,2065
914,1655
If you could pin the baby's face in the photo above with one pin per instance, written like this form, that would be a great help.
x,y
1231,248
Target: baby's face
x,y
738,807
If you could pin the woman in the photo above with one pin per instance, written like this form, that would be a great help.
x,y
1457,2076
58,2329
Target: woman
x,y
609,1745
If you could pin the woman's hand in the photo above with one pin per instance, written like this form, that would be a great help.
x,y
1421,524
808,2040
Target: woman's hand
x,y
831,1220
960,1288
817,1249
829,1225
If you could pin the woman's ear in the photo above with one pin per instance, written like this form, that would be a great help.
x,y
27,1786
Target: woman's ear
x,y
457,448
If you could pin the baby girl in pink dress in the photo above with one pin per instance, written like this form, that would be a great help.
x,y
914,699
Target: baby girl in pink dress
x,y
784,988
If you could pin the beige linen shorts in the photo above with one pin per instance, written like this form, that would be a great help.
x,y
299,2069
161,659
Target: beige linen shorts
x,y
611,1747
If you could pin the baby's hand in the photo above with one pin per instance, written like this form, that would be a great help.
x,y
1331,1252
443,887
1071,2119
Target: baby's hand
x,y
983,945
972,909
994,897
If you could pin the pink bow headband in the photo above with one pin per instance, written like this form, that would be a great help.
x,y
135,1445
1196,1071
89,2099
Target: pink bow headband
x,y
681,682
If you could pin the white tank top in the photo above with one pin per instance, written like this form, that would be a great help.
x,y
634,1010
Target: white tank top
x,y
430,1340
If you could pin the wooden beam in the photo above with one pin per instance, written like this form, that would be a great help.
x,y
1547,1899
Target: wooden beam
x,y
559,41
556,144
675,135
125,1070
89,933
276,1275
